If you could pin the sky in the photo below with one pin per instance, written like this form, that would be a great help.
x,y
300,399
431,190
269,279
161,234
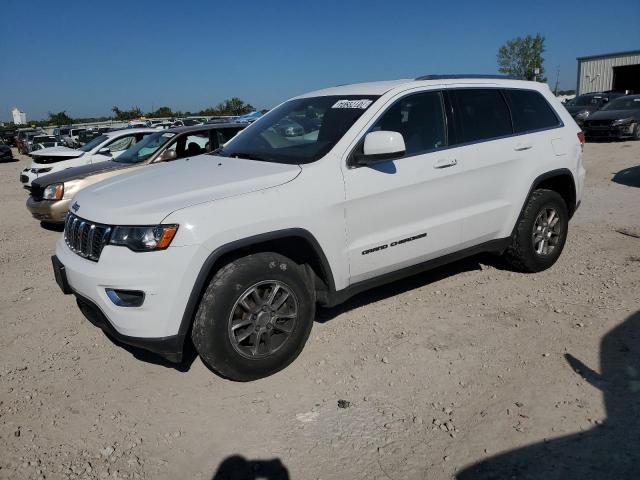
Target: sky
x,y
84,57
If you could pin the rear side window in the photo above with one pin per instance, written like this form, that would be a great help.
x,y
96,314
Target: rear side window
x,y
530,111
480,114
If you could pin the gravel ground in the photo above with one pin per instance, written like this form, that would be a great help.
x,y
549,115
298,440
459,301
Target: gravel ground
x,y
419,379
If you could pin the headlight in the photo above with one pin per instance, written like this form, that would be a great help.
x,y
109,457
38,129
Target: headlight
x,y
55,191
144,239
622,121
41,170
583,114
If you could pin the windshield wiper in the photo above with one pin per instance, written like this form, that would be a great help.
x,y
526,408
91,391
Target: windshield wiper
x,y
247,156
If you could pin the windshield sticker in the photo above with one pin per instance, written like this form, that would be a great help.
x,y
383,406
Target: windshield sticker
x,y
168,135
362,104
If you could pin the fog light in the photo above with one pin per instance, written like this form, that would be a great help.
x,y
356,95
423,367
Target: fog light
x,y
125,298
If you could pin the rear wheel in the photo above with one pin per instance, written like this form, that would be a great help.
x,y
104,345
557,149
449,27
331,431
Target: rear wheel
x,y
636,132
255,316
540,234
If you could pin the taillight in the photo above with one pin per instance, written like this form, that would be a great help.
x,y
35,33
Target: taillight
x,y
581,137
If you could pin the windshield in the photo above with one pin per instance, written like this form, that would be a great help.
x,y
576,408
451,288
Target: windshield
x,y
144,148
586,100
624,103
299,131
93,143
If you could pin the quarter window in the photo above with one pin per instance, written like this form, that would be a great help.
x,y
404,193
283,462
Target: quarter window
x,y
480,114
530,111
420,120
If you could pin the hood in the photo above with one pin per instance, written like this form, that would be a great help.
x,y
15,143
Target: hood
x,y
84,171
614,114
147,195
573,109
55,154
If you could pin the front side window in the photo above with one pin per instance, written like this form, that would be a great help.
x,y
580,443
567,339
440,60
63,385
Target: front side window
x,y
299,131
480,114
420,120
530,111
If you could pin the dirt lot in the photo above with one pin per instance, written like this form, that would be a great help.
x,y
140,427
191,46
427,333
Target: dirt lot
x,y
440,371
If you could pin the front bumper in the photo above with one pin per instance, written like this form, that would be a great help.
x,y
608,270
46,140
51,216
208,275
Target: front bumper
x,y
166,278
50,211
613,131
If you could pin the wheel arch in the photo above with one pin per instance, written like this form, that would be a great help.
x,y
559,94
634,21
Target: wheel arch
x,y
561,181
296,243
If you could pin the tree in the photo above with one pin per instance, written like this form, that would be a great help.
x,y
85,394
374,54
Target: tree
x,y
233,106
135,112
161,112
60,118
521,56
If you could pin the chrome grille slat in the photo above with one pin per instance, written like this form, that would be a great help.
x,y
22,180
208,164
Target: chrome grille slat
x,y
84,237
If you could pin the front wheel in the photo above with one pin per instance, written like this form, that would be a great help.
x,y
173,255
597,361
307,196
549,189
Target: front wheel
x,y
254,317
540,233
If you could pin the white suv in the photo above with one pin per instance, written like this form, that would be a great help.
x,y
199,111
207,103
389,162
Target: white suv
x,y
102,148
234,249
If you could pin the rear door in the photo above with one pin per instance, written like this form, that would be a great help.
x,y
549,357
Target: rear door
x,y
496,160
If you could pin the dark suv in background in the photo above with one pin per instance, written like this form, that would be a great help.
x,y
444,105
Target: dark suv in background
x,y
584,105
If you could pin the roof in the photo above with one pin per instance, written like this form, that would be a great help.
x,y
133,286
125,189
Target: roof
x,y
380,88
608,55
128,131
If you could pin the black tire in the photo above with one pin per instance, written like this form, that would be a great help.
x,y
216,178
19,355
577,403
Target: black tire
x,y
636,132
219,309
522,254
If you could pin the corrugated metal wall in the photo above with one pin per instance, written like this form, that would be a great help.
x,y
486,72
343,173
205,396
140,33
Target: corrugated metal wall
x,y
596,74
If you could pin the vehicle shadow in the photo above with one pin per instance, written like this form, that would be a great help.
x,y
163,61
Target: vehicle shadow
x,y
629,177
413,282
189,355
236,467
10,160
611,450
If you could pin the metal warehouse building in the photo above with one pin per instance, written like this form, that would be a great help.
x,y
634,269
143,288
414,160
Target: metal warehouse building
x,y
611,71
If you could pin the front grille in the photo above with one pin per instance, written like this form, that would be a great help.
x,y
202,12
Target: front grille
x,y
598,123
85,238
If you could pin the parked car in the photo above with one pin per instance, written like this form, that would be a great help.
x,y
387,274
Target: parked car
x,y
289,128
69,135
8,135
24,138
105,147
43,141
5,151
620,118
187,122
51,195
582,106
236,250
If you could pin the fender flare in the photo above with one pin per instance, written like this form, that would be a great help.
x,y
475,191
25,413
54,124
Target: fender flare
x,y
207,267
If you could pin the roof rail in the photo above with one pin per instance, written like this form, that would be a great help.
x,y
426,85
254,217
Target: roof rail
x,y
466,75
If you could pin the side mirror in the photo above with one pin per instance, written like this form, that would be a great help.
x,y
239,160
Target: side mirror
x,y
167,156
379,147
105,151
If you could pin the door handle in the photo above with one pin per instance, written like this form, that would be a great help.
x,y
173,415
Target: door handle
x,y
445,163
523,146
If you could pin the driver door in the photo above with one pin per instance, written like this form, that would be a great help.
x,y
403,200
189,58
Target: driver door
x,y
405,211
